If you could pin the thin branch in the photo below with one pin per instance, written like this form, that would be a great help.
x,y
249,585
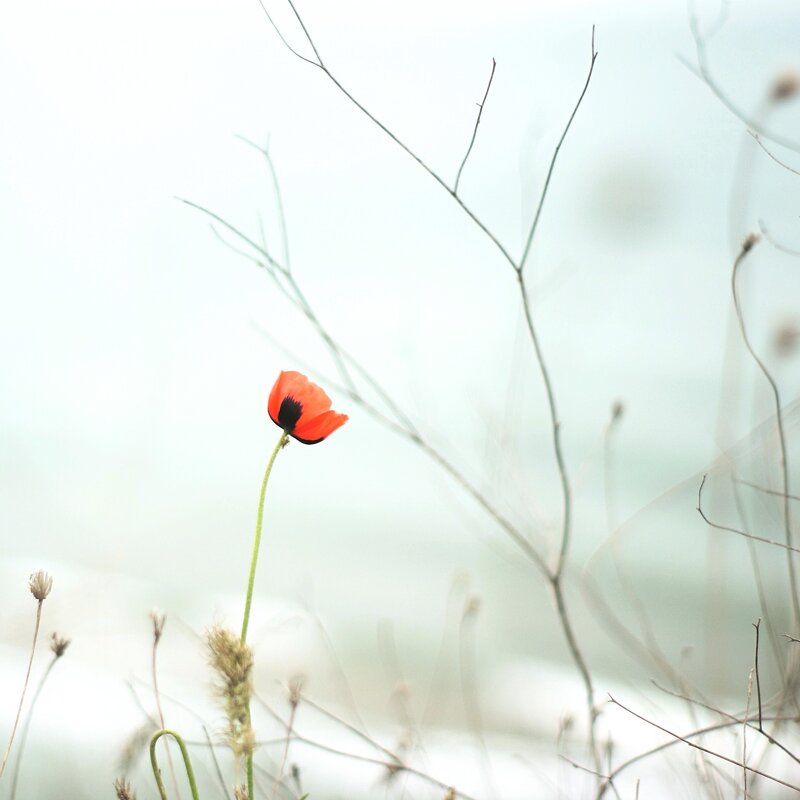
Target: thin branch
x,y
281,37
759,582
775,243
757,626
702,749
553,575
546,186
718,726
276,188
771,154
421,162
394,765
747,245
389,765
217,769
475,129
703,72
352,728
747,535
764,489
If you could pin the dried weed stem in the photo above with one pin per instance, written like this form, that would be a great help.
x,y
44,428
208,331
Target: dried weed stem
x,y
40,585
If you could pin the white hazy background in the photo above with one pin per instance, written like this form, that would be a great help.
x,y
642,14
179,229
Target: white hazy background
x,y
136,369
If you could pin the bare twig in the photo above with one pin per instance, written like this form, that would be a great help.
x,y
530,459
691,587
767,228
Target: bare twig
x,y
733,718
790,251
352,728
217,769
736,530
706,750
757,626
475,129
276,189
719,726
703,71
537,215
771,154
394,765
765,489
744,728
747,245
553,575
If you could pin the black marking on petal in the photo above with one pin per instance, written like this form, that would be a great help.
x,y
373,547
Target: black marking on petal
x,y
290,412
308,441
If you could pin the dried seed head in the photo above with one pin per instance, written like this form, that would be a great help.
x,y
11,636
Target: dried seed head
x,y
135,746
750,241
785,86
123,789
451,794
40,584
232,660
158,618
617,410
473,607
786,338
296,689
58,644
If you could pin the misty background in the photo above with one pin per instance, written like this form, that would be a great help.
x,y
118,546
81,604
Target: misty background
x,y
138,350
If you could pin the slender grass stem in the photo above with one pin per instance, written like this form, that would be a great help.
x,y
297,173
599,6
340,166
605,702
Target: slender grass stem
x,y
186,762
23,735
24,686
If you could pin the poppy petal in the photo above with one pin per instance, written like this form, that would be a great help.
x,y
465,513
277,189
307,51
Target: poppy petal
x,y
300,389
310,430
293,384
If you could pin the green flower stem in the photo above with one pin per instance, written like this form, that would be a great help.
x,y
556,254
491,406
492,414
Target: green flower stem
x,y
257,543
186,762
284,438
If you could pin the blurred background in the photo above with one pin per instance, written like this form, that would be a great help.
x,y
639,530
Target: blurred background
x,y
138,352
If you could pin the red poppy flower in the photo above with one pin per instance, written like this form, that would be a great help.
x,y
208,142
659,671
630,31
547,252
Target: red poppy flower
x,y
303,409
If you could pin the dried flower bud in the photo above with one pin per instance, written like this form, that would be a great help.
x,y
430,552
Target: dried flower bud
x,y
123,790
296,689
472,607
786,338
617,410
750,241
40,584
58,644
158,618
785,86
451,794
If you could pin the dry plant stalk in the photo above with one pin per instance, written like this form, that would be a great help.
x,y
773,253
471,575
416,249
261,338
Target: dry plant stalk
x,y
232,660
58,646
123,790
40,585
